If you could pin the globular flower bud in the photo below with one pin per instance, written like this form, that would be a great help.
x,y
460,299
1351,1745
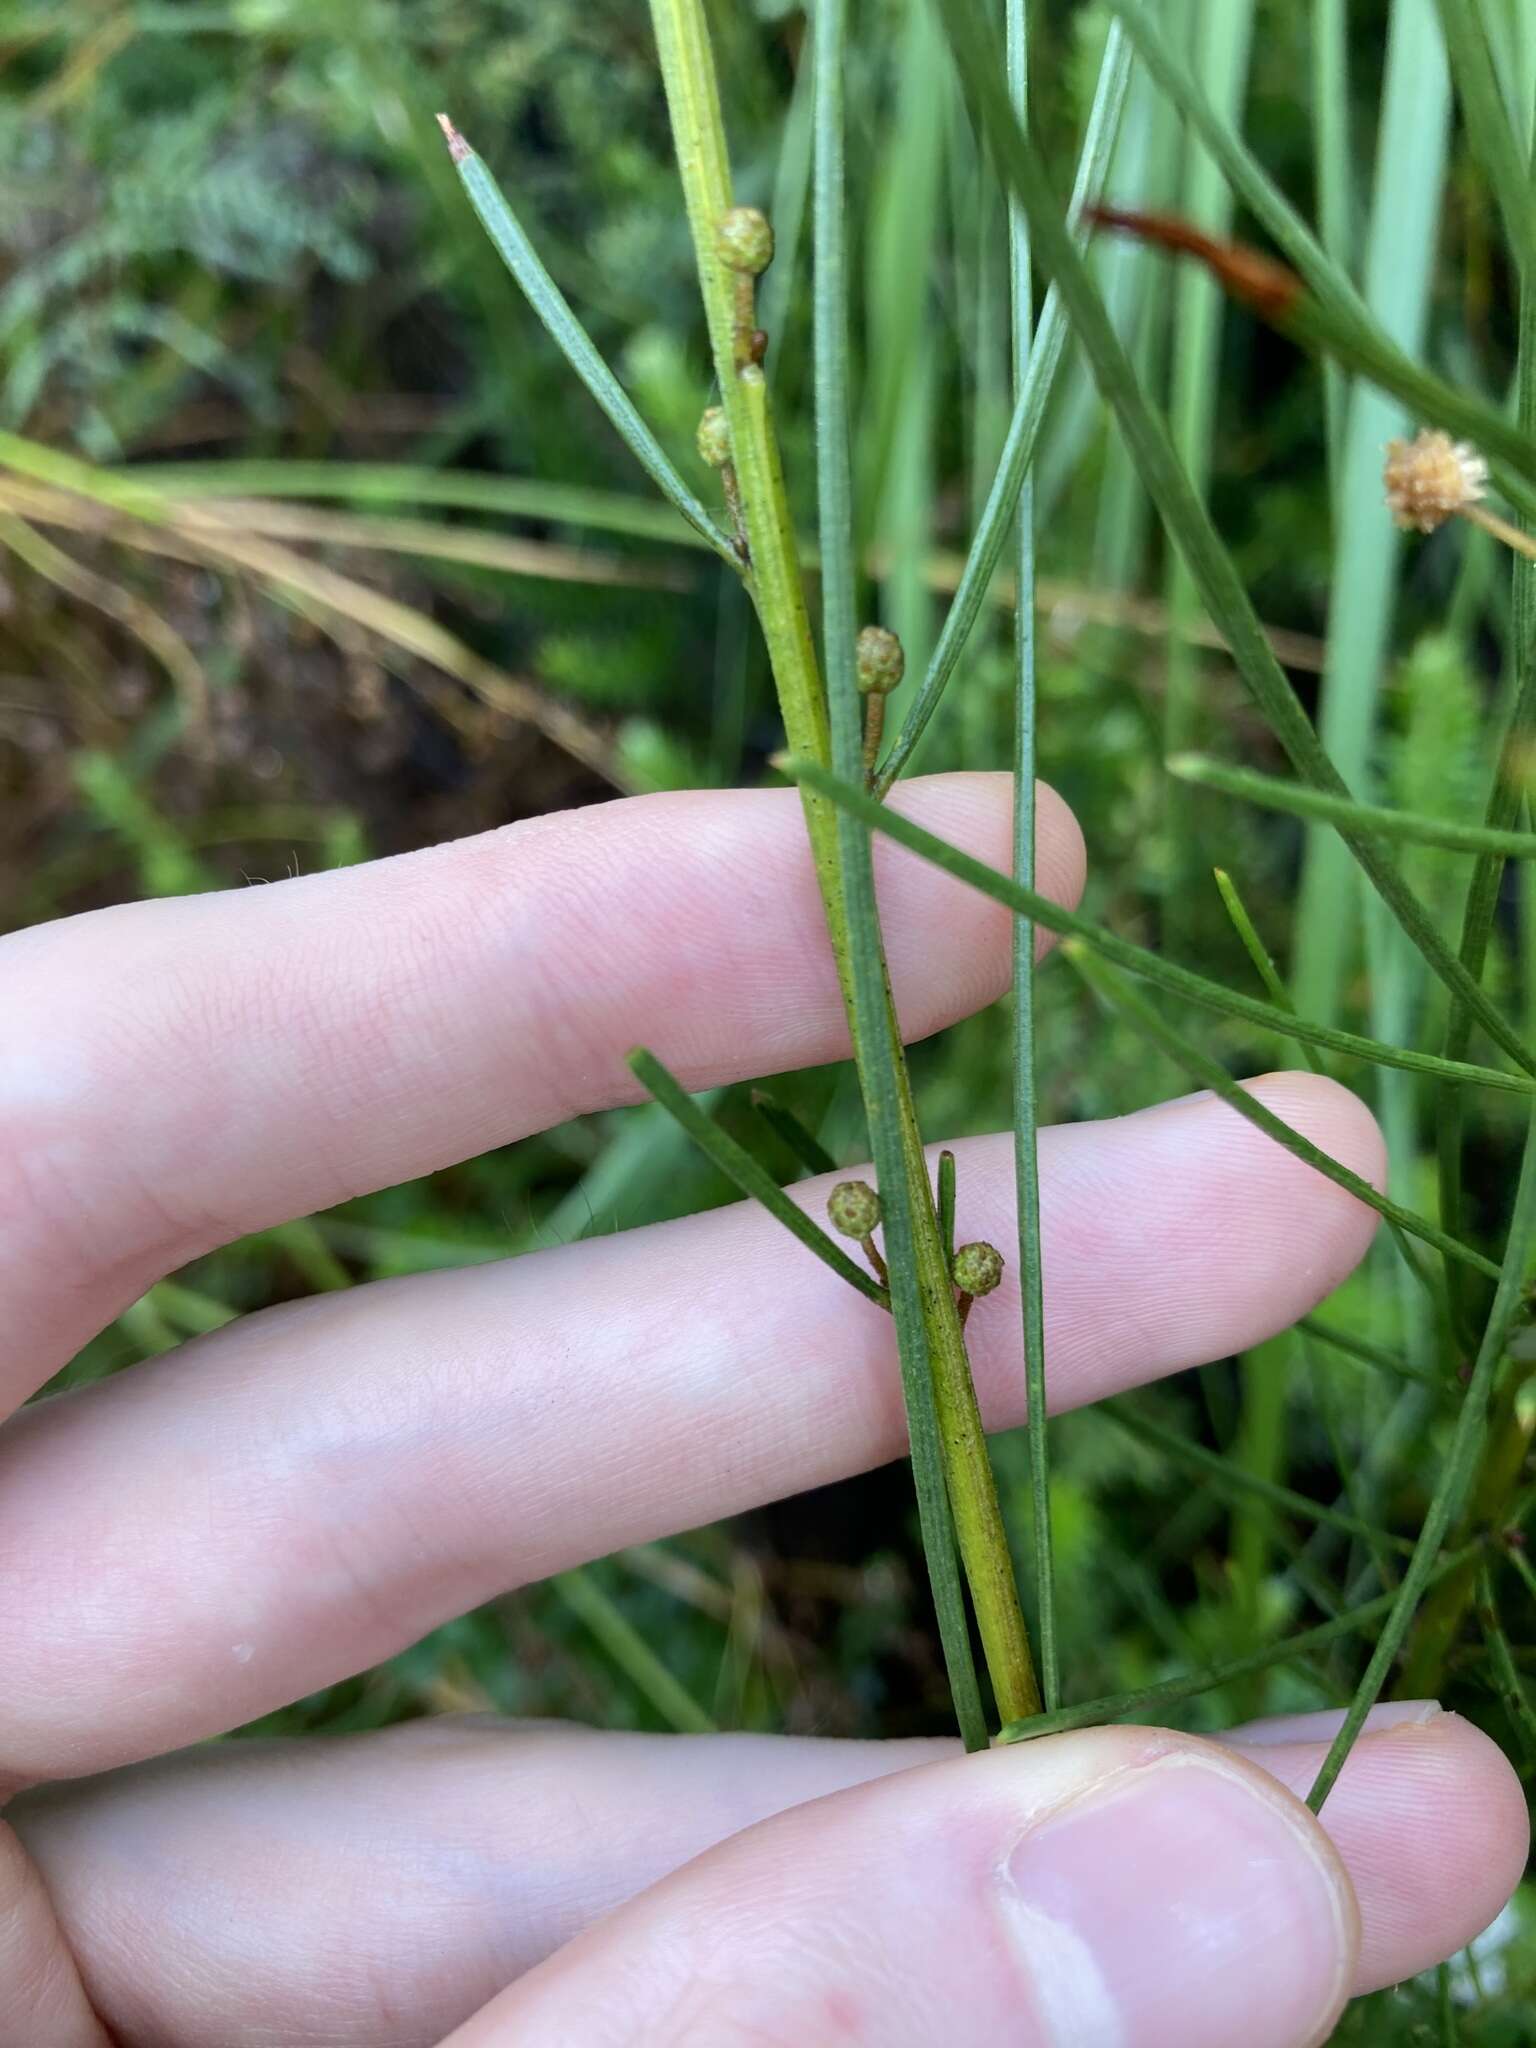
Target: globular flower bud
x,y
854,1208
978,1268
714,437
879,661
744,240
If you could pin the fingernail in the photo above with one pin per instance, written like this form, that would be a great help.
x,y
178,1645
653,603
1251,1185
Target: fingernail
x,y
1323,1726
1181,1904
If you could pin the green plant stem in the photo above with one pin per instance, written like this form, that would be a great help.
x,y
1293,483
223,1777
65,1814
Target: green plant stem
x,y
922,1300
1172,1691
1026,1113
1455,1473
1166,974
914,1243
1273,793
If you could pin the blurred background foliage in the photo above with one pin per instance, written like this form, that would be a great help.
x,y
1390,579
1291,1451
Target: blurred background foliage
x,y
235,265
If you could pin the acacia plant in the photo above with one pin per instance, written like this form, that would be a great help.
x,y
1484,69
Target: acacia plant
x,y
1467,1363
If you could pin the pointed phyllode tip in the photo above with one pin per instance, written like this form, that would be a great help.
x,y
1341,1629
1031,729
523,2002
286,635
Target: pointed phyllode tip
x,y
458,148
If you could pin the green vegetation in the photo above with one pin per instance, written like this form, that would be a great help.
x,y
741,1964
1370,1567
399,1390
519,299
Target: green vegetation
x,y
315,548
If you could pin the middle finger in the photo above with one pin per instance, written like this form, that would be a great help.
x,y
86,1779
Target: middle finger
x,y
292,1499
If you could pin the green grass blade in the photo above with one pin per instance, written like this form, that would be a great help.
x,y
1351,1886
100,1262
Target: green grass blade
x,y
1211,1074
1455,1473
1166,974
1399,266
947,1205
1297,801
1186,518
632,1653
1259,954
739,1167
547,300
1034,392
887,1105
1026,1112
1220,62
1172,1691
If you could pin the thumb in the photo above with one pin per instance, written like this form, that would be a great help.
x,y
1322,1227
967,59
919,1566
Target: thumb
x,y
1119,1888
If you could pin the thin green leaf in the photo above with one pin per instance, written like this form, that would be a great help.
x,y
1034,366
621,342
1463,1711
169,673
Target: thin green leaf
x,y
739,1167
1026,1110
1186,518
1259,954
1170,1692
547,300
1228,1477
1455,1473
1367,1353
1032,398
947,1205
1179,981
1211,1074
793,1134
1273,793
887,1104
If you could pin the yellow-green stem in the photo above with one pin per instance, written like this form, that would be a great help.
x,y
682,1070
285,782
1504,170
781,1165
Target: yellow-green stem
x,y
773,578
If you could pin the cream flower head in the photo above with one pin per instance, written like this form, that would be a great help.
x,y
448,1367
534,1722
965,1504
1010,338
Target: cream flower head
x,y
1430,477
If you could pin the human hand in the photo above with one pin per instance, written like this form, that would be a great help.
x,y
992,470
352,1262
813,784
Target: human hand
x,y
290,1500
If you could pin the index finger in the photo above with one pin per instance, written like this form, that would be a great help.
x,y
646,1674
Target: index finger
x,y
175,1074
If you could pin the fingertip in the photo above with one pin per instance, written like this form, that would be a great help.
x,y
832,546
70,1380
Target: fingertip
x,y
1430,1820
1339,1124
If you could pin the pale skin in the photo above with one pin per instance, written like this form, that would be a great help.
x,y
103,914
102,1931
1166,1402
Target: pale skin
x,y
221,1531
